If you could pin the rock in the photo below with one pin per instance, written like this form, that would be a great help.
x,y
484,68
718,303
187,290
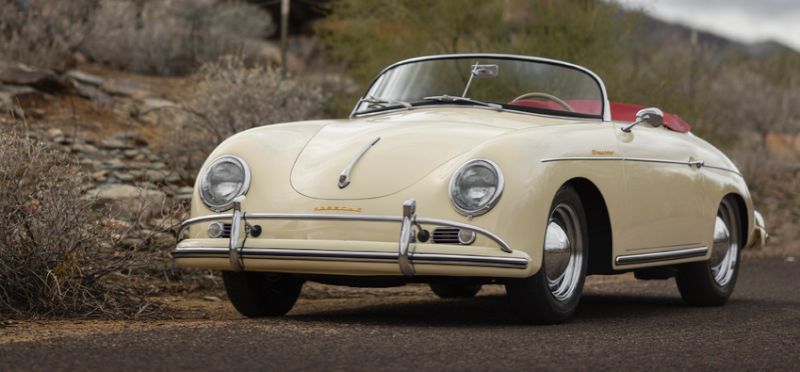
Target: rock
x,y
130,153
156,176
22,75
85,78
13,96
127,88
6,103
133,137
100,176
124,177
34,113
129,201
94,94
156,165
184,193
54,133
150,104
114,164
115,144
82,148
212,298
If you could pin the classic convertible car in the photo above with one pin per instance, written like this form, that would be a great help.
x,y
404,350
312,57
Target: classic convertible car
x,y
471,169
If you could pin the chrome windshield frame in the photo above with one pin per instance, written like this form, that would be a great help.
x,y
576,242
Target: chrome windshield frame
x,y
606,104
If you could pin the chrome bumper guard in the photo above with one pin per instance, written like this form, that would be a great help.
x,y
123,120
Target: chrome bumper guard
x,y
404,256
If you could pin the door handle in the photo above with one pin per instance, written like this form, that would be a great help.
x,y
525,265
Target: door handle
x,y
696,163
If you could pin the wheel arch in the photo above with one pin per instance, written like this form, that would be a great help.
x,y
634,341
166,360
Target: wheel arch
x,y
744,215
599,225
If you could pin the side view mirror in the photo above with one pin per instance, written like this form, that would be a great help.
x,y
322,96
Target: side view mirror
x,y
651,116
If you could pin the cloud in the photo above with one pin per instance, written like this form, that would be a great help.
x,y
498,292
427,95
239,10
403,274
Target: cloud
x,y
743,20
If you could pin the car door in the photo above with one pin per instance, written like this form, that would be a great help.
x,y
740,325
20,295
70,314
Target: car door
x,y
664,192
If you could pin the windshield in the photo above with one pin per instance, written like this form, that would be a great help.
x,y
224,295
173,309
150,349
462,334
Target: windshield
x,y
494,82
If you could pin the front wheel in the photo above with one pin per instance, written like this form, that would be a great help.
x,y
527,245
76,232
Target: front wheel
x,y
552,295
710,283
256,294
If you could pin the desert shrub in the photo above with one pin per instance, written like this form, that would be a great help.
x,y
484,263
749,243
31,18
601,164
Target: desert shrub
x,y
172,36
232,97
773,182
56,247
43,32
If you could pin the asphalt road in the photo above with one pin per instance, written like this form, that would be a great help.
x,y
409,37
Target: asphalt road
x,y
621,324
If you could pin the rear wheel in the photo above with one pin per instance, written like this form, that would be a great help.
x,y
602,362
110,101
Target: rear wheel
x,y
710,283
455,288
256,294
552,295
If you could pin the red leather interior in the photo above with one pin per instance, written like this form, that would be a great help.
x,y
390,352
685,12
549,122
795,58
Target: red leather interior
x,y
627,112
619,111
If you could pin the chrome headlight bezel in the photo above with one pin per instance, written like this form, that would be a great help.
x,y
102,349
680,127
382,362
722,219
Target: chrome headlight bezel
x,y
489,204
242,190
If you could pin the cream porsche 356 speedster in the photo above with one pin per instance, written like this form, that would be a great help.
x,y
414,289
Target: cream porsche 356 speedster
x,y
472,169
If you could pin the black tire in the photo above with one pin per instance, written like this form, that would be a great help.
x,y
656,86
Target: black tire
x,y
696,281
455,288
256,294
532,298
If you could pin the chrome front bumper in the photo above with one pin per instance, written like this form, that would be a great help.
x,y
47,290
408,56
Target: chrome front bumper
x,y
405,257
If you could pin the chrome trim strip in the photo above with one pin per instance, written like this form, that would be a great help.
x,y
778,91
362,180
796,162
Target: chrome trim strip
x,y
661,256
723,169
439,105
600,83
692,163
344,177
346,217
353,256
617,158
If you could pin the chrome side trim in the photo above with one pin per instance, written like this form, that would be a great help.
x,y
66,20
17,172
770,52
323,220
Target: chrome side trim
x,y
344,177
661,256
723,169
691,163
352,256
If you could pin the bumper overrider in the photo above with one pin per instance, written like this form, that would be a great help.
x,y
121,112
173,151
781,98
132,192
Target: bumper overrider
x,y
300,255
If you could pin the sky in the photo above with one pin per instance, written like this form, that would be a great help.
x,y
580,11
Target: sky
x,y
741,20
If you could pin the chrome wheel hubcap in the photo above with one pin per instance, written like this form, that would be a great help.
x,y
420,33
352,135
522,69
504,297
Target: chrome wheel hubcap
x,y
725,251
563,256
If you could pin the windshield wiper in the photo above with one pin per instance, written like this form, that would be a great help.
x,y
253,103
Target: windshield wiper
x,y
375,102
446,98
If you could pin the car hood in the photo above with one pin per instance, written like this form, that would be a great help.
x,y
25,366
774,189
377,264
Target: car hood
x,y
410,145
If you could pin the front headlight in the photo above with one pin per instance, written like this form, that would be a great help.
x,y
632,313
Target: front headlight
x,y
224,180
476,187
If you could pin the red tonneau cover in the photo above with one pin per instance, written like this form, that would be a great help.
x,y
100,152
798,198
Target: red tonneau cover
x,y
627,112
619,111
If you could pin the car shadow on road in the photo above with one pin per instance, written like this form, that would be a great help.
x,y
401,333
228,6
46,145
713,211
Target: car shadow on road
x,y
489,311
